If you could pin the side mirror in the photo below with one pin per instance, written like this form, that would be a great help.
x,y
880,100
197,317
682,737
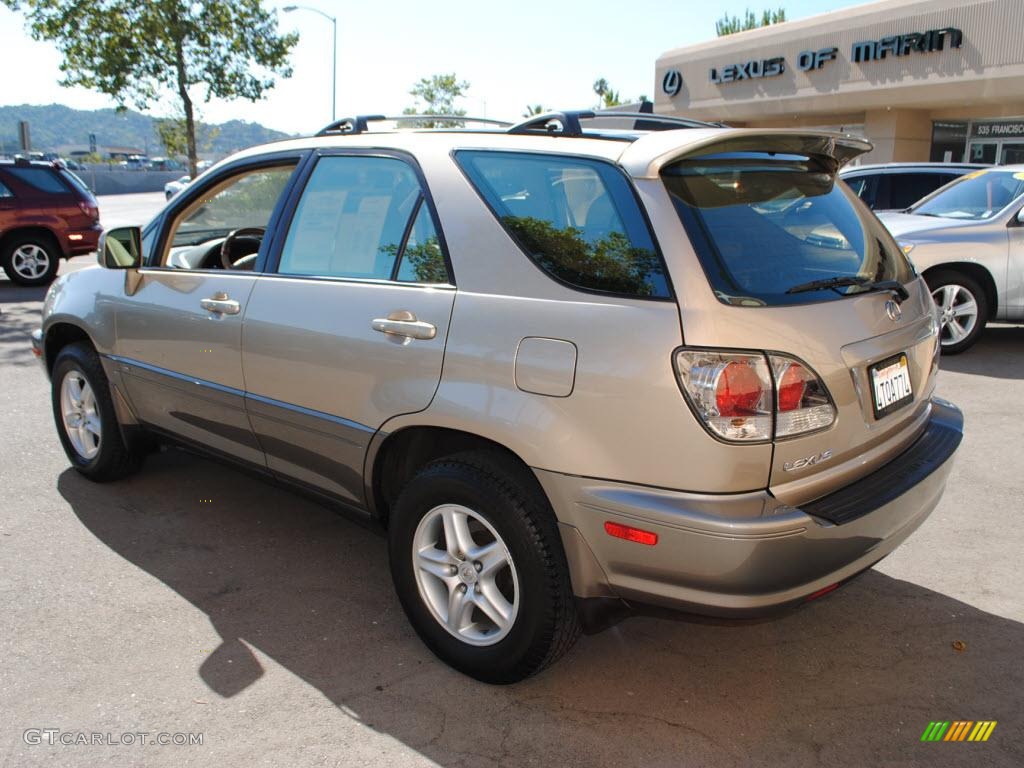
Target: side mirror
x,y
1020,216
121,248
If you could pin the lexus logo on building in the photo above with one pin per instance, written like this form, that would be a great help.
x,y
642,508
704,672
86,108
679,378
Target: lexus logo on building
x,y
672,82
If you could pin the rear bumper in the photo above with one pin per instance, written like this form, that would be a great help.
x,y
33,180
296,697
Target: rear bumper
x,y
747,554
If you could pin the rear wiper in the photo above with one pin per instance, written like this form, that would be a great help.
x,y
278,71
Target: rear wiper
x,y
844,281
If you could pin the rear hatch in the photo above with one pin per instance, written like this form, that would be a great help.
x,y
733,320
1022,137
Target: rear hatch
x,y
781,266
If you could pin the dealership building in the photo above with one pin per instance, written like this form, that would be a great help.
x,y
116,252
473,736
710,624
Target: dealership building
x,y
939,80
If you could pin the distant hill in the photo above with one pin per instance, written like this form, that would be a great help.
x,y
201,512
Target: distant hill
x,y
53,126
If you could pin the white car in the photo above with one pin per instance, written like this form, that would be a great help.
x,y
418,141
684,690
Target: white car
x,y
171,188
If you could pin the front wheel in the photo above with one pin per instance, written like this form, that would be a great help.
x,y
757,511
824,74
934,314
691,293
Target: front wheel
x,y
962,307
84,414
479,568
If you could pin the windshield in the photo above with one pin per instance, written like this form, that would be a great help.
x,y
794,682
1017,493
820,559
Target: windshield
x,y
976,196
765,224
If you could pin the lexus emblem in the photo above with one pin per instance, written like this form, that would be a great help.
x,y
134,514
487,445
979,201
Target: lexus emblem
x,y
672,82
892,309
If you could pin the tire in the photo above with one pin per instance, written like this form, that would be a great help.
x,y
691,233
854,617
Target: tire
x,y
99,453
31,260
963,309
505,506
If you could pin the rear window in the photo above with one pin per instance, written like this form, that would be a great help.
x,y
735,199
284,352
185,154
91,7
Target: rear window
x,y
765,223
577,219
42,179
75,182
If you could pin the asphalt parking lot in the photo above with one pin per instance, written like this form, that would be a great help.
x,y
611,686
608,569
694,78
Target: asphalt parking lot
x,y
267,623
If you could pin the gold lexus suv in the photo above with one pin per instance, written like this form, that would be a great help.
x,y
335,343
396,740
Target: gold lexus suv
x,y
573,367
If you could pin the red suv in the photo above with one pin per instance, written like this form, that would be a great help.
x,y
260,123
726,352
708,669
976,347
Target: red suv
x,y
46,212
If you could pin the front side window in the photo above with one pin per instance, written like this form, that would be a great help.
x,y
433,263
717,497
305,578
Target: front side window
x,y
766,224
245,201
908,188
366,218
576,218
976,196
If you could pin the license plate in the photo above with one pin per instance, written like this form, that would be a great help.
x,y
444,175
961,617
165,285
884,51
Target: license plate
x,y
890,385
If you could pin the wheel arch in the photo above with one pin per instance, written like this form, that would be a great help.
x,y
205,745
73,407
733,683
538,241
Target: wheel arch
x,y
33,229
59,335
975,271
392,459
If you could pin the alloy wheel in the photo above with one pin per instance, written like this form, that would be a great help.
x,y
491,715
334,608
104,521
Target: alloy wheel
x,y
465,574
80,414
30,261
958,312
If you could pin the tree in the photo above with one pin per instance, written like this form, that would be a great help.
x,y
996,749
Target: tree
x,y
173,134
729,25
534,109
436,95
143,52
608,96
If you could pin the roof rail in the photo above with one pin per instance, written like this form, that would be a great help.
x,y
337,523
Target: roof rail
x,y
568,123
360,123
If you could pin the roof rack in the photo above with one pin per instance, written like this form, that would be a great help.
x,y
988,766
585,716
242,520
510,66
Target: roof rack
x,y
360,123
568,123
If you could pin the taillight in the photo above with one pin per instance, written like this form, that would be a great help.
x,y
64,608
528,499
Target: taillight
x,y
731,392
89,210
803,404
750,397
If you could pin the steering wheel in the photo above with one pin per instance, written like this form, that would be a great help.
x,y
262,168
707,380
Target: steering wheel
x,y
229,242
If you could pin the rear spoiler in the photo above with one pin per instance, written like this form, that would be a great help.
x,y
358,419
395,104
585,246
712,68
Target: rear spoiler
x,y
645,157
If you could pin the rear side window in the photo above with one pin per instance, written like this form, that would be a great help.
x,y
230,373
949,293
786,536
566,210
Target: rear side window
x,y
40,178
763,224
4,191
364,217
577,219
75,182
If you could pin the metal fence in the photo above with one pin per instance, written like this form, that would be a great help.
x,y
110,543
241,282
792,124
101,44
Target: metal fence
x,y
119,182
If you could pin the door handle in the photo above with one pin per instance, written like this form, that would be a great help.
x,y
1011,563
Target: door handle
x,y
404,323
220,304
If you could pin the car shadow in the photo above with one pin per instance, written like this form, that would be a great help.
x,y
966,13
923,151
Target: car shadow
x,y
20,314
999,353
850,680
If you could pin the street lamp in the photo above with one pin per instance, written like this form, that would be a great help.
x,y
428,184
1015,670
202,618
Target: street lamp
x,y
334,54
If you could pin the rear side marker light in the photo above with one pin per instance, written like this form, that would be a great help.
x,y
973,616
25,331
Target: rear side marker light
x,y
753,396
74,237
629,533
821,592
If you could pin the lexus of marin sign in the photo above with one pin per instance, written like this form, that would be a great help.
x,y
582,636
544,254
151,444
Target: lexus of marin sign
x,y
807,61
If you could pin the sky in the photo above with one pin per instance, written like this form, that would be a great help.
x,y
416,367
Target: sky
x,y
546,52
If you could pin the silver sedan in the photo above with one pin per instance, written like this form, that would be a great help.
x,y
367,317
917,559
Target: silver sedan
x,y
967,239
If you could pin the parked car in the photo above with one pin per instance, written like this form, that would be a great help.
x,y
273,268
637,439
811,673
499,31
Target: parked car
x,y
164,164
967,239
897,186
46,213
171,188
569,371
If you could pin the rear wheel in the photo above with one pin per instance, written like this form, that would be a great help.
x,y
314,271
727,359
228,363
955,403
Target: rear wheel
x,y
963,309
479,568
31,259
85,418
